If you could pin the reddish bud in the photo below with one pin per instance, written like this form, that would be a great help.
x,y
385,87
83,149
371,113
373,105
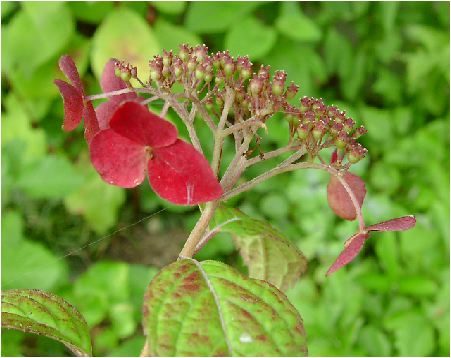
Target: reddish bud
x,y
338,198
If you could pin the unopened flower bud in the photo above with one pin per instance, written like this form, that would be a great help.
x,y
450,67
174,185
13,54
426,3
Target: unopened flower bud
x,y
117,72
125,76
303,130
292,90
184,52
199,73
359,132
340,140
318,130
255,86
348,124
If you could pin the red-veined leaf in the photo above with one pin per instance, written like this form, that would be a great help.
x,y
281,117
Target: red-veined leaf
x,y
339,199
182,175
398,224
73,105
118,160
135,122
351,250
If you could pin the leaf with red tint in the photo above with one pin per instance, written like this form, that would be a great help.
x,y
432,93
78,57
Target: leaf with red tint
x,y
354,246
398,224
91,124
135,122
73,105
110,82
118,160
67,66
182,175
340,201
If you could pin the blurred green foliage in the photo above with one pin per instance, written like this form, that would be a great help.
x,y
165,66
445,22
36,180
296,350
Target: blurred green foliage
x,y
386,63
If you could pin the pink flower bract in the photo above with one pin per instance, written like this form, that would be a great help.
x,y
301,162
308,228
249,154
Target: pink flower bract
x,y
338,198
139,140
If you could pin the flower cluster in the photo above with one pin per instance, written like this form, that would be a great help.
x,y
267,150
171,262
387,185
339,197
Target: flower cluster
x,y
126,141
257,95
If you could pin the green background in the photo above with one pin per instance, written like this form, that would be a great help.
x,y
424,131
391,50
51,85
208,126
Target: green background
x,y
386,63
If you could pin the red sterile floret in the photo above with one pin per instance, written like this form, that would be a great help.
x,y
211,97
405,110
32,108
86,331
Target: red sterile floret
x,y
355,243
138,140
338,198
67,66
73,105
182,175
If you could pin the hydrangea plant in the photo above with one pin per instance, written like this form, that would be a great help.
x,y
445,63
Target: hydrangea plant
x,y
206,308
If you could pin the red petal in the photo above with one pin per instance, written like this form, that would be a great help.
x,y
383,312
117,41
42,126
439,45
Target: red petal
x,y
353,247
91,124
398,224
110,82
339,199
68,67
135,122
118,160
73,105
182,175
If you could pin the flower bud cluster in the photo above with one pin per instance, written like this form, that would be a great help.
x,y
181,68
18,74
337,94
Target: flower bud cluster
x,y
257,95
124,70
322,126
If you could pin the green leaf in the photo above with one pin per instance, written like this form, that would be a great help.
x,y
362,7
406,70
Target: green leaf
x,y
414,334
211,17
269,255
17,127
170,7
208,308
294,24
171,36
417,286
117,37
36,34
42,313
29,264
91,11
375,342
97,202
51,177
249,37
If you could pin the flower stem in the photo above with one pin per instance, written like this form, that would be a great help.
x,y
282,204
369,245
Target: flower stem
x,y
199,229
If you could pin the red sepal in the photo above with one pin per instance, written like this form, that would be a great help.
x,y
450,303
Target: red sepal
x,y
339,199
135,122
398,224
182,175
118,160
73,105
354,246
